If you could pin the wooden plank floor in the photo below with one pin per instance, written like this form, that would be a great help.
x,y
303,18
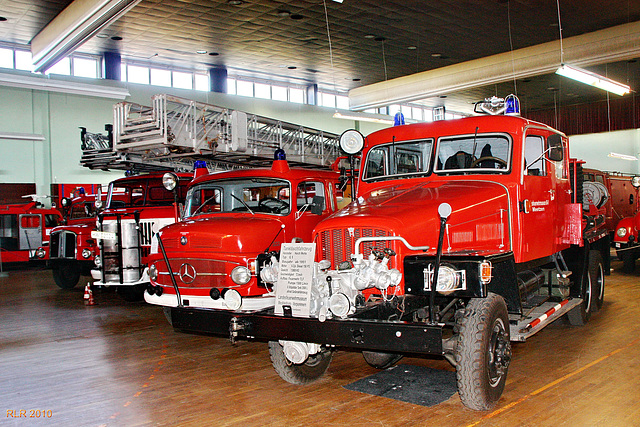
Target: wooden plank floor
x,y
121,364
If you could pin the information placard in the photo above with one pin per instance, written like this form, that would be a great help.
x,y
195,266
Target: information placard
x,y
293,288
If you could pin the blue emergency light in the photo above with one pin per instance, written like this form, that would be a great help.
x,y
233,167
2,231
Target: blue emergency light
x,y
279,154
398,119
198,164
512,104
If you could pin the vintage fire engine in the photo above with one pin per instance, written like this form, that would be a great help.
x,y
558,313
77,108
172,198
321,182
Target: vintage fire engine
x,y
464,235
137,206
622,191
625,239
72,250
23,229
232,221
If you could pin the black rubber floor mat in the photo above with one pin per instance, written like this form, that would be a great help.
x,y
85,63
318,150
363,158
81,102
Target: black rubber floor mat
x,y
413,384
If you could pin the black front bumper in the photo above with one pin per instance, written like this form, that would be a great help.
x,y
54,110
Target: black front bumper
x,y
390,336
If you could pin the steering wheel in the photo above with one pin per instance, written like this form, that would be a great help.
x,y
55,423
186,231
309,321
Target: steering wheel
x,y
274,205
477,161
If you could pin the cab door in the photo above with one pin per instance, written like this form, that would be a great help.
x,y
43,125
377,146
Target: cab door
x,y
313,203
537,204
30,231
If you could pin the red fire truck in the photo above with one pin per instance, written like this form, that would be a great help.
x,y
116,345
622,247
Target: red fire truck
x,y
464,235
621,190
23,229
233,221
72,250
626,236
137,206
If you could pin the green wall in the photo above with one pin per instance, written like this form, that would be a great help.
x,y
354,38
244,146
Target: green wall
x,y
594,148
58,116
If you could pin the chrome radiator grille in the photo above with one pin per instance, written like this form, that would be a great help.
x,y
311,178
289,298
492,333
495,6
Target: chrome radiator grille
x,y
146,233
338,244
62,245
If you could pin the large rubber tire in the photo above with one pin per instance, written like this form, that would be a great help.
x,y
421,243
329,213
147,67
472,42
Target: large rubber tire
x,y
133,293
596,270
483,352
66,274
381,360
580,315
628,261
301,374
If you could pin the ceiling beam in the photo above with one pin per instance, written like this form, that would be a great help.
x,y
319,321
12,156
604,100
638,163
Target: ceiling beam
x,y
78,22
100,88
600,47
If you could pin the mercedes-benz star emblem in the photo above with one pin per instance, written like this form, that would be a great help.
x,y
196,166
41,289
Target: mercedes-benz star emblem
x,y
187,273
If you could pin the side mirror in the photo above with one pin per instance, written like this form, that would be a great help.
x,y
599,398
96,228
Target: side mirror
x,y
555,147
317,206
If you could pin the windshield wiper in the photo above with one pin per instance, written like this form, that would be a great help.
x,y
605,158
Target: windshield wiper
x,y
243,202
202,204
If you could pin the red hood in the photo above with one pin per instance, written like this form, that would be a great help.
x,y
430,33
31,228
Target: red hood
x,y
225,234
479,219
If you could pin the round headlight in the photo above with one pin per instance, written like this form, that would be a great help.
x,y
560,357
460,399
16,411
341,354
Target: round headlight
x,y
153,272
635,181
232,299
339,304
41,253
170,180
351,141
97,261
240,275
621,232
86,253
448,280
65,202
98,204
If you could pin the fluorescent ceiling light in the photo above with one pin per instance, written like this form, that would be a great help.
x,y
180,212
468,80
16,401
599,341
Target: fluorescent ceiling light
x,y
622,156
362,117
593,79
78,22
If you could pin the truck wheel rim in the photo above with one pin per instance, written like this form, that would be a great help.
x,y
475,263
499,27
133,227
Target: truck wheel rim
x,y
499,355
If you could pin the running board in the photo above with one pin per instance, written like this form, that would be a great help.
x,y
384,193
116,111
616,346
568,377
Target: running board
x,y
540,317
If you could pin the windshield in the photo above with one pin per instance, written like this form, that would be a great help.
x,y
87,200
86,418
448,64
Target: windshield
x,y
142,193
82,210
477,153
398,159
253,195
